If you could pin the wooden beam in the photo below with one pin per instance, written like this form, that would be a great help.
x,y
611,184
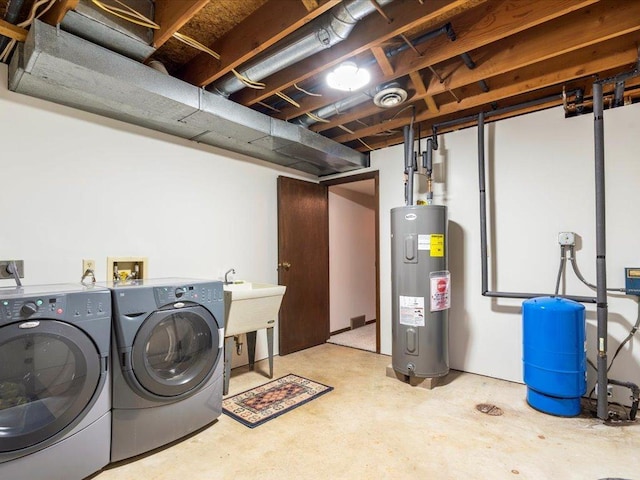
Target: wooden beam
x,y
56,13
490,22
310,5
421,90
260,30
601,22
568,67
10,30
172,15
383,60
373,30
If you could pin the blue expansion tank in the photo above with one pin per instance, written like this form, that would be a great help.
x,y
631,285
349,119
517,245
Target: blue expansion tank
x,y
554,354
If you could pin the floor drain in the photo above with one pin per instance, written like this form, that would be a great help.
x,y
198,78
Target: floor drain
x,y
489,409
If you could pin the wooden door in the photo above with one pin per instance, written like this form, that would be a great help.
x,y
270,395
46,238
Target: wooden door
x,y
303,264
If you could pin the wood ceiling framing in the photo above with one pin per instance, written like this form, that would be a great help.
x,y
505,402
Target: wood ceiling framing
x,y
523,52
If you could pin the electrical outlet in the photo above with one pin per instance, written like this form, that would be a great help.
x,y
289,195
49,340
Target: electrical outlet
x,y
88,264
567,238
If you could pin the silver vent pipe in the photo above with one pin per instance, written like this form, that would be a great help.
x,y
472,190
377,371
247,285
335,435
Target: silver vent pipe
x,y
327,30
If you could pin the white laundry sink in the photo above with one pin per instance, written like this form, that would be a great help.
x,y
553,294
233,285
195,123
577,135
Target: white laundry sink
x,y
251,306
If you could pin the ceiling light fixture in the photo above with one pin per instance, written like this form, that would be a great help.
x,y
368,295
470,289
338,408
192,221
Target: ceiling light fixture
x,y
348,77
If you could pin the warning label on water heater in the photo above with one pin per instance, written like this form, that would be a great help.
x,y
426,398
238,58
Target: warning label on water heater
x,y
412,311
440,290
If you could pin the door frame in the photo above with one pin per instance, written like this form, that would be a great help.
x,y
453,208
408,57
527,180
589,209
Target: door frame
x,y
373,175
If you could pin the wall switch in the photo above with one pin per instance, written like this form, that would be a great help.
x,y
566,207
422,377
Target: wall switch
x,y
88,265
5,269
567,238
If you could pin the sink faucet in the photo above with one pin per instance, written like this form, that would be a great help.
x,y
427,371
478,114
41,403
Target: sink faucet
x,y
226,275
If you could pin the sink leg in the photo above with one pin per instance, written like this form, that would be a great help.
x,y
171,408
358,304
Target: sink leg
x,y
251,348
270,347
228,350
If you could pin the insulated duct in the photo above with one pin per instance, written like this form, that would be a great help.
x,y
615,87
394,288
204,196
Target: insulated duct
x,y
325,31
60,67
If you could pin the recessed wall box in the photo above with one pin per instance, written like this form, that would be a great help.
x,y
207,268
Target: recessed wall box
x,y
122,269
567,238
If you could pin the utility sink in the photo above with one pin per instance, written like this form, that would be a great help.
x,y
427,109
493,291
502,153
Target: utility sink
x,y
249,307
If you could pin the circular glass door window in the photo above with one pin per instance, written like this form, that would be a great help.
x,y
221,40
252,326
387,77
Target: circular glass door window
x,y
49,376
175,351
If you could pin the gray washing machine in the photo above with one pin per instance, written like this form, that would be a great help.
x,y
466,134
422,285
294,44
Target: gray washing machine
x,y
167,361
55,420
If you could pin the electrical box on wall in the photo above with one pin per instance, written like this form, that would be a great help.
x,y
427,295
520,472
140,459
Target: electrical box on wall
x,y
121,269
632,281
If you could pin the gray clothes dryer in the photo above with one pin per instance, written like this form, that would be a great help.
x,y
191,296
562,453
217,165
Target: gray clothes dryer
x,y
167,361
55,420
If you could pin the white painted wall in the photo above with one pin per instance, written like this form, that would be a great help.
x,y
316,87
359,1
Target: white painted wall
x,y
352,270
541,182
75,185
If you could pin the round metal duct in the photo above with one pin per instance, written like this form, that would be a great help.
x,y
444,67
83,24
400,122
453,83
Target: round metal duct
x,y
390,95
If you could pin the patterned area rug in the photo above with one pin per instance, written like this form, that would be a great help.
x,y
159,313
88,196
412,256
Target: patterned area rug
x,y
261,404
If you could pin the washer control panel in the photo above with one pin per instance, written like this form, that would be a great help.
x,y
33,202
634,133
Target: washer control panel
x,y
206,293
15,309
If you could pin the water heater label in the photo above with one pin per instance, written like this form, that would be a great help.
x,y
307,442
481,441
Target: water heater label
x,y
424,242
440,290
437,245
411,311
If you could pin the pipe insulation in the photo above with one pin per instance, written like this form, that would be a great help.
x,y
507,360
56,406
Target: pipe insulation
x,y
601,247
324,32
484,262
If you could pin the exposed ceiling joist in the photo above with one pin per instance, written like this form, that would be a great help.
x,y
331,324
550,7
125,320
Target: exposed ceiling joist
x,y
172,15
599,23
56,13
262,29
11,31
534,77
373,30
487,23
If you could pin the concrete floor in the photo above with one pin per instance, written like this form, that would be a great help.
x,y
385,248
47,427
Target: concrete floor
x,y
376,427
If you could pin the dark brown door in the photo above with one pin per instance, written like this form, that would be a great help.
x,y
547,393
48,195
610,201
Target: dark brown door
x,y
303,264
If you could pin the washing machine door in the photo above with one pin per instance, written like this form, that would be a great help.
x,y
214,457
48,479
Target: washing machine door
x,y
175,351
50,372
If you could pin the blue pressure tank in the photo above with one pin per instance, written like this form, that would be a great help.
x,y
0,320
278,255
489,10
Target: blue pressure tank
x,y
554,354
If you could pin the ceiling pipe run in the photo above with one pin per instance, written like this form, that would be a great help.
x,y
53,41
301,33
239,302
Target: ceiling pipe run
x,y
327,30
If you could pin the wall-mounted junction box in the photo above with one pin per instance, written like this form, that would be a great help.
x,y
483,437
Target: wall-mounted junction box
x,y
5,271
126,268
632,280
567,238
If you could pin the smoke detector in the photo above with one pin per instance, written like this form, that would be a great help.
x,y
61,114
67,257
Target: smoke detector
x,y
390,95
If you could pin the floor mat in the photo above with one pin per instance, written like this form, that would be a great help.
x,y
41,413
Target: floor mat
x,y
266,402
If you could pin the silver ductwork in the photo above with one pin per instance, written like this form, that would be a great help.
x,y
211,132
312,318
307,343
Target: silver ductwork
x,y
60,67
399,96
324,32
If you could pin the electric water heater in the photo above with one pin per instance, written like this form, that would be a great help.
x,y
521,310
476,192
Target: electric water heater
x,y
421,288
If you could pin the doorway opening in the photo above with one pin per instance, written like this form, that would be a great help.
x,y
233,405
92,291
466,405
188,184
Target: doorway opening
x,y
354,292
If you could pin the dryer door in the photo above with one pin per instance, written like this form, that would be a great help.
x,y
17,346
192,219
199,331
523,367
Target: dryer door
x,y
175,351
50,372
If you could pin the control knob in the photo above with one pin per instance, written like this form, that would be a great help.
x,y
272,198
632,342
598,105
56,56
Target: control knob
x,y
180,291
29,308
